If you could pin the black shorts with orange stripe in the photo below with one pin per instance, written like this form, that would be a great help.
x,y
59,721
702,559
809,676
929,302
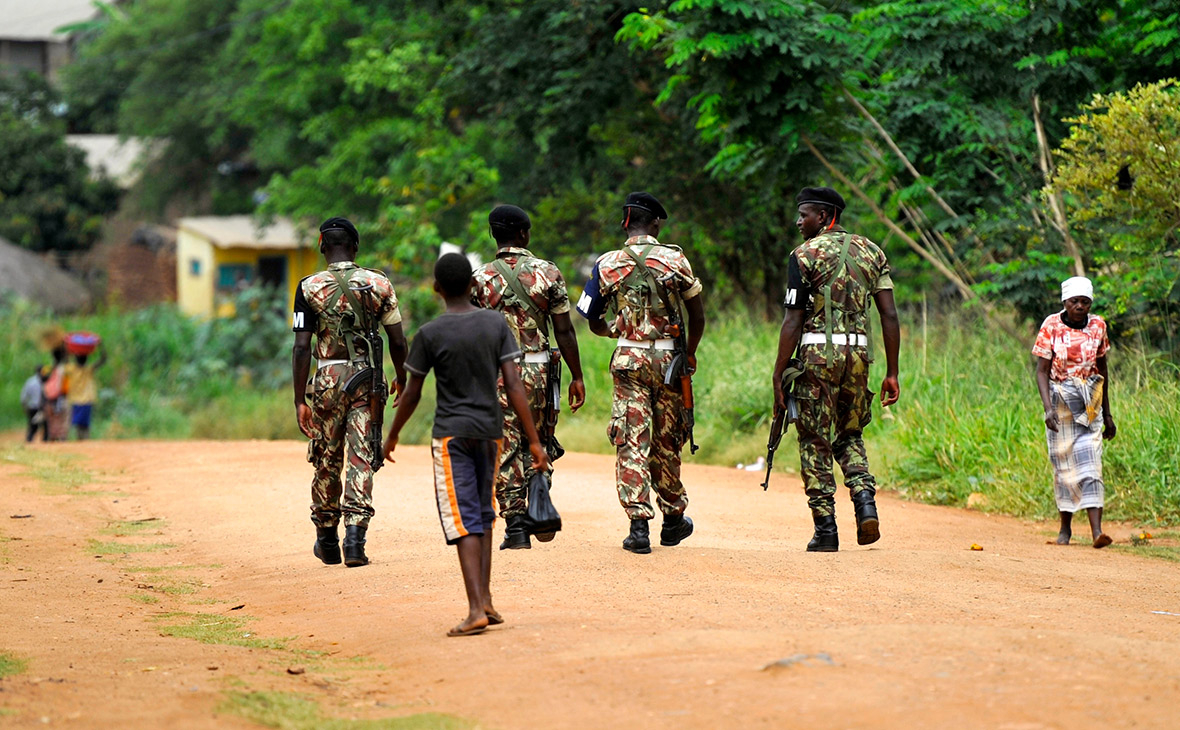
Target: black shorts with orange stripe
x,y
464,472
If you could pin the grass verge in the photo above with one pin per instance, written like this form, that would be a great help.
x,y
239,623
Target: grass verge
x,y
10,665
126,528
294,712
56,472
96,547
209,628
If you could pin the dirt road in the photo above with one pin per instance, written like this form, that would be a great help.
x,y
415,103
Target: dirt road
x,y
102,584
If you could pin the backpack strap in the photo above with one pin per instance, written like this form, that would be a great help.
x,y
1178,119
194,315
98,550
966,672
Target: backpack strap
x,y
844,262
642,270
512,278
360,312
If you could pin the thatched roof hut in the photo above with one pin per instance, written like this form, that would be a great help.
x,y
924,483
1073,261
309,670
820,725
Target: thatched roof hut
x,y
34,278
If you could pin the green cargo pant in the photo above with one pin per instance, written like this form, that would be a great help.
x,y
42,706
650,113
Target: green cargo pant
x,y
835,405
646,428
342,420
515,458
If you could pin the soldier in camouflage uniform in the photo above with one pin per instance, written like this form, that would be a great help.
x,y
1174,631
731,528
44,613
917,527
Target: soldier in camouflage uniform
x,y
336,419
542,283
831,279
647,422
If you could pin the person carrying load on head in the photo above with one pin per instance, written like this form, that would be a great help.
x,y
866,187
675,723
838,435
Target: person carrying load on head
x,y
832,279
531,294
646,287
344,307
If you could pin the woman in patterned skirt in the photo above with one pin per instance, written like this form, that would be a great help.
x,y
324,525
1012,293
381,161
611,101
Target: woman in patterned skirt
x,y
1075,391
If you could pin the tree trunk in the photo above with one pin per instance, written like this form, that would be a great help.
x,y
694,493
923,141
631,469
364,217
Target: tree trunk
x,y
1056,205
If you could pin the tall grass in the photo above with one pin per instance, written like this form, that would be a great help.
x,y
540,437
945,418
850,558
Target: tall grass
x,y
969,419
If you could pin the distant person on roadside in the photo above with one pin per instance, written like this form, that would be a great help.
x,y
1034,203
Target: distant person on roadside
x,y
469,349
55,407
82,391
1074,384
31,399
833,278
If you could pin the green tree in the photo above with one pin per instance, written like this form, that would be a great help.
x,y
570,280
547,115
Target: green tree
x,y
1120,172
48,200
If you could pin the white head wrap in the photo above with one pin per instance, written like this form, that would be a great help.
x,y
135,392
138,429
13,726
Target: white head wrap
x,y
1077,286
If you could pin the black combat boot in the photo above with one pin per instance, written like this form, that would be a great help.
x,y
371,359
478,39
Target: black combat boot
x,y
354,546
675,529
868,527
825,539
638,541
516,533
327,545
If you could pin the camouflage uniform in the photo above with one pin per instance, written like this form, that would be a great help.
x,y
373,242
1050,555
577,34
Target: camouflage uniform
x,y
339,419
646,424
833,394
546,287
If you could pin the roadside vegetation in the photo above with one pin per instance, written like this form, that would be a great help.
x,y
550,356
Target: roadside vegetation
x,y
968,421
11,664
295,712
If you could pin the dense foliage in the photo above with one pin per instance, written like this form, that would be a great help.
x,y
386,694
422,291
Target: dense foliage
x,y
1120,170
936,118
48,200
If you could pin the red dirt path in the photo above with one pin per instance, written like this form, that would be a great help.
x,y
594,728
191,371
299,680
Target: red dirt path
x,y
921,632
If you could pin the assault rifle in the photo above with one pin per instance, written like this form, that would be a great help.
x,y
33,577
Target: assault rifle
x,y
679,375
548,425
782,417
369,340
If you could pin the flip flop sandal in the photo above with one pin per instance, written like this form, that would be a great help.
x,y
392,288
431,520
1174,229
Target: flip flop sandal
x,y
494,618
1102,540
469,632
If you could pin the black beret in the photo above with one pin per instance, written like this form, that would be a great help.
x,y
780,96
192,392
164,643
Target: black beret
x,y
341,224
820,196
509,218
645,201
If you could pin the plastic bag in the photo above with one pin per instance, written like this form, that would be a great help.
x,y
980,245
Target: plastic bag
x,y
543,518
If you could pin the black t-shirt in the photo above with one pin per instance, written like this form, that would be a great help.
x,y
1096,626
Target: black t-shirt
x,y
465,350
798,290
303,318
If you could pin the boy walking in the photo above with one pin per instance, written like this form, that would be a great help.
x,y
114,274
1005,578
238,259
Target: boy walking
x,y
31,399
469,349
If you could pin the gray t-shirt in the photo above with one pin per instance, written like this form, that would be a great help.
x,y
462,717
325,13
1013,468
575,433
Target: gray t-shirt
x,y
465,350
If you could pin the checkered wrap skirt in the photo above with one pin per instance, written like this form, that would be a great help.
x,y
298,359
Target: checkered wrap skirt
x,y
1075,451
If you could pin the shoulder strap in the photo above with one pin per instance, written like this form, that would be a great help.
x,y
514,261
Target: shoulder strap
x,y
342,283
642,269
844,262
360,312
512,278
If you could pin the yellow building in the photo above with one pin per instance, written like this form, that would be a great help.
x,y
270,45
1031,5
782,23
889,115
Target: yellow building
x,y
218,256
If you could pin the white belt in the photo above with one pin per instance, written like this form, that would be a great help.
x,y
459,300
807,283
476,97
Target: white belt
x,y
326,363
665,344
536,357
819,338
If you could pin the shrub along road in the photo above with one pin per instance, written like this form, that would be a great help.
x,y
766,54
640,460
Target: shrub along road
x,y
135,553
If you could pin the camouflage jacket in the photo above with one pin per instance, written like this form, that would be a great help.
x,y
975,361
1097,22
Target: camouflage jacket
x,y
316,292
541,280
817,261
640,315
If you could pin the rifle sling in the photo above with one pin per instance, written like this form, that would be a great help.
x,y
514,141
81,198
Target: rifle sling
x,y
846,263
660,289
512,278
